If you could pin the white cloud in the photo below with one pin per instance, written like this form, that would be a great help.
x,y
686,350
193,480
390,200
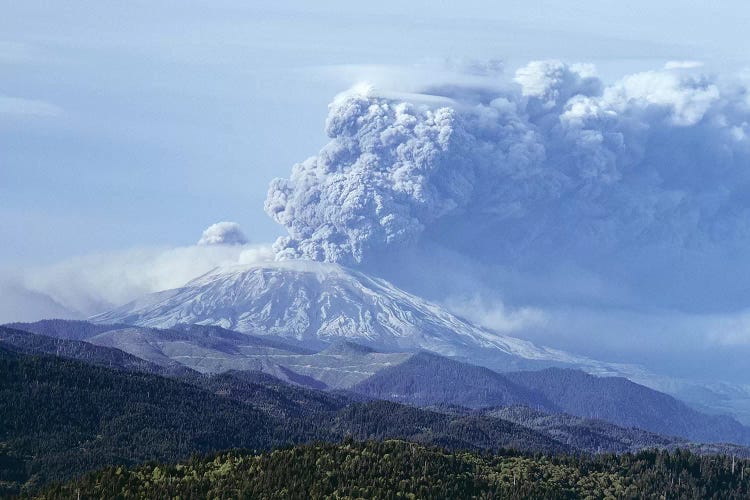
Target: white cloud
x,y
85,285
730,330
28,107
21,304
494,314
223,233
688,99
417,78
683,65
91,284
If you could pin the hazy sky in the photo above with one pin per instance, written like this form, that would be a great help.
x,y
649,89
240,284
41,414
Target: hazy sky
x,y
139,123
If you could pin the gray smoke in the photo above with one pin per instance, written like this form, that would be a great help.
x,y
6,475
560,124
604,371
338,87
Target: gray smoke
x,y
552,165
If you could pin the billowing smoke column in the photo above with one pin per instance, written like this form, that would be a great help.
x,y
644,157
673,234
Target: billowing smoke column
x,y
553,164
392,169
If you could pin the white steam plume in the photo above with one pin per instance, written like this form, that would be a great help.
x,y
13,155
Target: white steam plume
x,y
223,233
83,286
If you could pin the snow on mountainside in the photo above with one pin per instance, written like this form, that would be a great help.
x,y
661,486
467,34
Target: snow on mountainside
x,y
319,303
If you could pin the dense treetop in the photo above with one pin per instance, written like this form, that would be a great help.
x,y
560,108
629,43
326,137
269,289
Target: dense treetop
x,y
392,469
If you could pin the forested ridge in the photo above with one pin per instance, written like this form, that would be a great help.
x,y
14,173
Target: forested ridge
x,y
390,469
553,390
62,418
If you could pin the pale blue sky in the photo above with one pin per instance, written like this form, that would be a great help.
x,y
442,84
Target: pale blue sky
x,y
131,125
137,123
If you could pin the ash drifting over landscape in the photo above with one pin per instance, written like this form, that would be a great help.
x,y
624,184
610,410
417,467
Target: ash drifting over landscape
x,y
643,180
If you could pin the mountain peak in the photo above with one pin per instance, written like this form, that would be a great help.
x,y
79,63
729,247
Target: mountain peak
x,y
319,303
320,270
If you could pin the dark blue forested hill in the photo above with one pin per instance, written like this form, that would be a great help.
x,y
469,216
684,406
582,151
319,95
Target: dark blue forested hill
x,y
421,379
591,434
31,343
598,436
200,348
270,394
62,417
428,379
205,335
69,406
626,403
63,328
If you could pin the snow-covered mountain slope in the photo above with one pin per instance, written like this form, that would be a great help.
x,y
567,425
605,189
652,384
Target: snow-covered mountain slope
x,y
319,303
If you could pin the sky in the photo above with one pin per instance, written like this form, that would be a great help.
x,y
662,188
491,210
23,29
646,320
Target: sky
x,y
127,129
142,123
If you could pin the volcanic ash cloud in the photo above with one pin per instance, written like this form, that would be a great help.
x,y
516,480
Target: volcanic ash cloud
x,y
547,165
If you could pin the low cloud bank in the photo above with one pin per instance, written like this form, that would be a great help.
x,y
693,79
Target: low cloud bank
x,y
494,314
83,286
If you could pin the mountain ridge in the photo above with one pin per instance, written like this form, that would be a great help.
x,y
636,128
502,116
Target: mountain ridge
x,y
427,379
318,303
